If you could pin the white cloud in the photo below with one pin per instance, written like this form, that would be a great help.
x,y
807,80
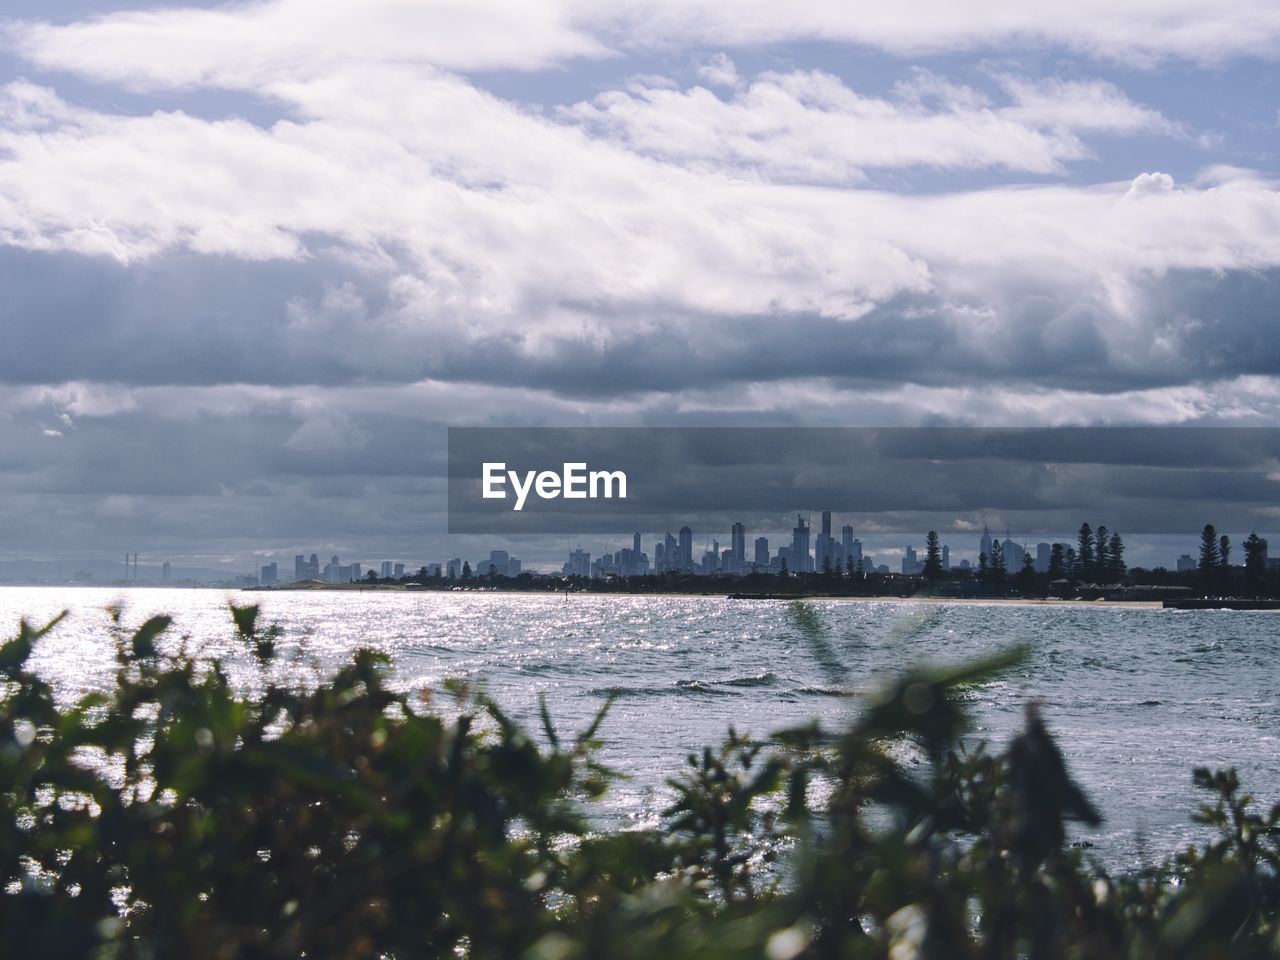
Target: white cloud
x,y
809,126
1137,31
720,71
521,227
243,46
247,45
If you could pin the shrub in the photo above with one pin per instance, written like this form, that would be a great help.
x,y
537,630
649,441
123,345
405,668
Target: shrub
x,y
172,816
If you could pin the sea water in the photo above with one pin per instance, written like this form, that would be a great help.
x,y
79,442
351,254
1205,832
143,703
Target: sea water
x,y
1137,696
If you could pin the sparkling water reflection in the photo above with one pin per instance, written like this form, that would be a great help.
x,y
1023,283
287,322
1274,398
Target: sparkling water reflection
x,y
1137,696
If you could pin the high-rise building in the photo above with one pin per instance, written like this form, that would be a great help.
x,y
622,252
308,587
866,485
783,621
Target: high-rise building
x,y
846,540
635,545
1012,553
579,564
386,569
762,552
800,561
269,577
398,571
946,557
1043,552
166,572
984,544
911,563
824,548
686,548
300,568
738,542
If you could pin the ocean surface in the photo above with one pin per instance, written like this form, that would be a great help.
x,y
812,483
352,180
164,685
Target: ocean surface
x,y
1136,696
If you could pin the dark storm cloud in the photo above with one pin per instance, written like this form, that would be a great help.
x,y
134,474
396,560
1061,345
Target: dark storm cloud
x,y
1151,480
200,321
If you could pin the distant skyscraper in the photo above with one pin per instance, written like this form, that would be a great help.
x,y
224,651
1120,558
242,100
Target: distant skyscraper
x,y
1043,552
738,542
800,560
846,540
166,572
686,548
762,552
946,557
269,576
1012,553
824,547
579,564
386,569
984,545
635,544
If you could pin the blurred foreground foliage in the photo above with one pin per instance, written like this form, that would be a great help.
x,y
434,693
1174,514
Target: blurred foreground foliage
x,y
172,816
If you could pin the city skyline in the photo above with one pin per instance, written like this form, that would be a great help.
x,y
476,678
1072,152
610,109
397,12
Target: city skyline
x,y
886,553
249,285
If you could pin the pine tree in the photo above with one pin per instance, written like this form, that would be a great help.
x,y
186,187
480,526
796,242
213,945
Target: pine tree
x,y
1057,562
1209,558
1116,556
1101,561
1073,562
1025,578
932,556
1084,552
997,561
1255,558
1224,551
1208,548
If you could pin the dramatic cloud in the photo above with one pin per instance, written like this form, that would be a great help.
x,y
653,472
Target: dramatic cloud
x,y
310,234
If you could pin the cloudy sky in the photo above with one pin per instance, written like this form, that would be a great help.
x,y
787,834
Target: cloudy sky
x,y
257,256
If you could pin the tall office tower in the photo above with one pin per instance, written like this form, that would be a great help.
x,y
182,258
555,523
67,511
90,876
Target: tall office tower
x,y
166,572
299,567
846,540
738,542
671,546
635,545
1043,552
801,561
946,557
984,545
1012,553
313,567
398,571
762,552
828,544
855,551
686,548
269,576
386,569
